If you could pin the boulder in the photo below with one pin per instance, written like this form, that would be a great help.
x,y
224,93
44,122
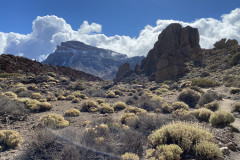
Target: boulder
x,y
224,43
175,46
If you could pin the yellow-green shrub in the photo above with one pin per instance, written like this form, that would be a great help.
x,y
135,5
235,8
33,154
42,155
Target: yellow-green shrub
x,y
72,112
207,150
70,97
111,94
213,106
61,98
190,97
10,95
105,108
119,106
202,114
169,152
89,106
9,139
129,156
36,96
44,106
180,105
221,118
203,82
125,118
235,59
54,121
167,108
76,100
185,135
135,110
99,101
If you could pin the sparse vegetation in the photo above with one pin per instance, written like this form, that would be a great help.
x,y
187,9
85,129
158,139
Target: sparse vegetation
x,y
207,150
235,59
202,114
213,106
89,106
129,156
221,118
236,107
203,82
9,139
180,105
105,108
72,112
126,118
36,96
119,106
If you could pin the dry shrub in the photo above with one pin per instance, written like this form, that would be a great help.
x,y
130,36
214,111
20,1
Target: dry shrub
x,y
111,94
61,98
35,106
118,106
129,156
213,106
165,152
180,105
99,101
89,106
105,108
221,118
72,112
9,139
207,150
76,100
202,114
185,135
10,95
190,97
207,98
236,107
70,97
54,121
167,108
126,118
135,110
36,96
203,82
150,102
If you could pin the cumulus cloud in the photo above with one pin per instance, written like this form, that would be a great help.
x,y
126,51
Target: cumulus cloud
x,y
49,31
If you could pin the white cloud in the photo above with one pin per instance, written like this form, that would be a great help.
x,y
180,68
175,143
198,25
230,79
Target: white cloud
x,y
49,31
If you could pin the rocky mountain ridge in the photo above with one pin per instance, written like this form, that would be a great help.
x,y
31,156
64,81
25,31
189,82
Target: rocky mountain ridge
x,y
97,61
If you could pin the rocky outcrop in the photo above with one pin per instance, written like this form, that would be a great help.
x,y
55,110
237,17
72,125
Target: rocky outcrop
x,y
224,43
174,47
123,71
97,61
15,64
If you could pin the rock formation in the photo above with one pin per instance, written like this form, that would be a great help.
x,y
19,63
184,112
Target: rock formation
x,y
174,47
123,71
97,61
224,43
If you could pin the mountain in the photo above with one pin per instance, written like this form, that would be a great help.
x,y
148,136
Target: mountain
x,y
97,61
16,64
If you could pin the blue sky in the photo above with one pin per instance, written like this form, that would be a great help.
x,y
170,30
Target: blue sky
x,y
33,28
118,17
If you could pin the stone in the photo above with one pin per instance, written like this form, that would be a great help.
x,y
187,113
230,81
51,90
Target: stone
x,y
123,71
232,147
225,150
224,43
175,46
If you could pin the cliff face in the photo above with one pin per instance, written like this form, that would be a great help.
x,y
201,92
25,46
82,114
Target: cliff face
x,y
174,47
97,61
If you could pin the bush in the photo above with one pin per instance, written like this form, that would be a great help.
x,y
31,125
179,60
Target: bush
x,y
207,98
180,105
119,106
61,98
125,118
169,152
184,135
167,108
89,106
111,94
236,107
213,106
207,150
235,59
10,95
99,101
190,97
202,114
44,106
72,112
129,156
76,100
234,90
70,97
34,105
9,139
135,110
105,108
222,118
76,86
36,96
203,82
54,121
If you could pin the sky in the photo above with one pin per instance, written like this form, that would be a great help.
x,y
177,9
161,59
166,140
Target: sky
x,y
33,28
